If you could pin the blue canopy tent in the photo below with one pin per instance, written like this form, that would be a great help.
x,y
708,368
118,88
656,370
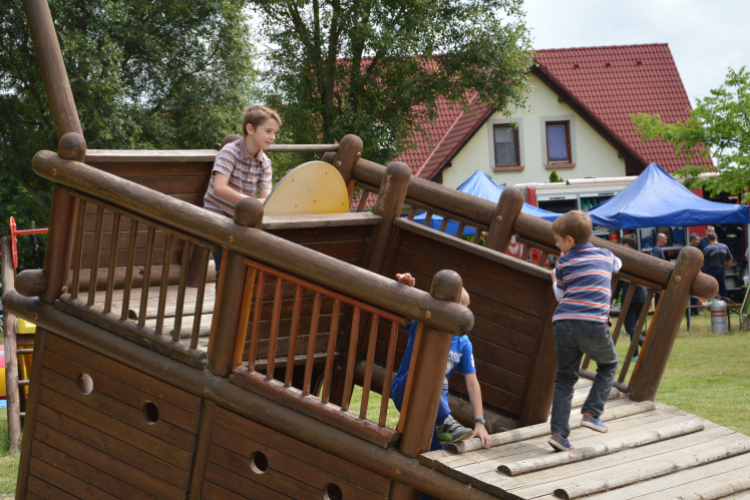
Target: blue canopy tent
x,y
481,186
656,199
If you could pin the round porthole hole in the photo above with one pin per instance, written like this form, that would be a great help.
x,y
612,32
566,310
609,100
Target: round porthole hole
x,y
258,462
85,384
332,492
150,413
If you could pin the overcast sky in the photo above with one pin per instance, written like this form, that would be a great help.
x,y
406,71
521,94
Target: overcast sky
x,y
705,37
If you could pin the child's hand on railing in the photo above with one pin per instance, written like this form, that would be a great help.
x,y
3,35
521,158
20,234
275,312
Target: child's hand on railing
x,y
552,273
481,432
406,279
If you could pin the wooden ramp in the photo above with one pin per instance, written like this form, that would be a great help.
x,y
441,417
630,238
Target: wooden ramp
x,y
652,451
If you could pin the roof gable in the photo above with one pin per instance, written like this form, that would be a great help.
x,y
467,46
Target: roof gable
x,y
605,85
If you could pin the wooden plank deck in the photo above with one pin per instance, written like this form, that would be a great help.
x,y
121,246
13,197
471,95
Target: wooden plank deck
x,y
652,451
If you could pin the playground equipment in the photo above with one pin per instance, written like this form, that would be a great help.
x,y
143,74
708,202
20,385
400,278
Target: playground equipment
x,y
149,381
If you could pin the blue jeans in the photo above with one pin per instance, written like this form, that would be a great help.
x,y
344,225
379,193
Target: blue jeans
x,y
573,339
397,395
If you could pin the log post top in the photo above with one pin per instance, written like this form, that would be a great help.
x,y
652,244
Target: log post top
x,y
297,260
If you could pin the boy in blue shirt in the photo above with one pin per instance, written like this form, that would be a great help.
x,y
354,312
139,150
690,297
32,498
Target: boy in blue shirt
x,y
461,359
582,281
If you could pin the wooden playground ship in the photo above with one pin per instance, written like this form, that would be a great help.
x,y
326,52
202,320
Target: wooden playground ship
x,y
152,380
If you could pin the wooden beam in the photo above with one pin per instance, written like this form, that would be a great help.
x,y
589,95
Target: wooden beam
x,y
11,351
51,64
501,229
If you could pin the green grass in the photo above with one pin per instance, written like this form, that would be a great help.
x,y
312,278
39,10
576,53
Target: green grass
x,y
373,407
8,461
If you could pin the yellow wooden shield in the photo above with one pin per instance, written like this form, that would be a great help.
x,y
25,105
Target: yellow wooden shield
x,y
314,187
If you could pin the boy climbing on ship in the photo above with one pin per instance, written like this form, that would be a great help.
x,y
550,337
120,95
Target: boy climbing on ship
x,y
241,168
582,281
461,359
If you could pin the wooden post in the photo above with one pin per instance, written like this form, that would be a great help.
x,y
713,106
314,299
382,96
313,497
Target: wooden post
x,y
664,327
429,373
350,150
11,357
50,59
501,227
540,388
248,212
60,239
22,482
390,202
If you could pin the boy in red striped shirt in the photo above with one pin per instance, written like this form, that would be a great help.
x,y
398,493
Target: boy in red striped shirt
x,y
582,281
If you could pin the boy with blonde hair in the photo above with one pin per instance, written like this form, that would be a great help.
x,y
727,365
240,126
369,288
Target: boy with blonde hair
x,y
241,168
582,281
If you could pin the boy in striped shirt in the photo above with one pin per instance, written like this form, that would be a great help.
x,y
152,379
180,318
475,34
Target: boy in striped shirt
x,y
582,282
241,168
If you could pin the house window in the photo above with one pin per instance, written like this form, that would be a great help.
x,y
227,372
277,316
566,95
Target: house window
x,y
506,145
558,142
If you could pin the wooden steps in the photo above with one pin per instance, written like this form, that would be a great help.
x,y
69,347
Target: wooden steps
x,y
697,460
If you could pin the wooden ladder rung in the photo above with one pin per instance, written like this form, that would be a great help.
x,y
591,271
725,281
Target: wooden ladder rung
x,y
24,351
23,382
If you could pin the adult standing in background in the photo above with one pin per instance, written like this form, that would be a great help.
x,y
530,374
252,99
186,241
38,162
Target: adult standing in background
x,y
694,302
704,241
717,258
661,240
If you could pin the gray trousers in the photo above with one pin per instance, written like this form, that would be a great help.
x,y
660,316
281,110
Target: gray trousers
x,y
573,339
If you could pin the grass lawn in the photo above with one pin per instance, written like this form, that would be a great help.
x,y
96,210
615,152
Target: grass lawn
x,y
707,375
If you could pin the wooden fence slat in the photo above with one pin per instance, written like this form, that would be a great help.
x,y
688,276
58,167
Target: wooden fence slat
x,y
274,336
128,284
146,276
293,333
256,321
351,359
636,336
182,283
247,305
77,253
112,262
386,393
311,345
368,367
332,337
95,256
205,253
164,284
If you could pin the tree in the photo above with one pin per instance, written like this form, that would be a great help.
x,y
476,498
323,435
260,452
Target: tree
x,y
376,68
144,74
721,124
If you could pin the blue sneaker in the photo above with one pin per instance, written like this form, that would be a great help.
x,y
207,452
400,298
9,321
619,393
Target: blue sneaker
x,y
593,422
560,443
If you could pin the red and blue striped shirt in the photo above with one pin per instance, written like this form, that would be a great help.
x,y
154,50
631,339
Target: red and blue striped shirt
x,y
584,283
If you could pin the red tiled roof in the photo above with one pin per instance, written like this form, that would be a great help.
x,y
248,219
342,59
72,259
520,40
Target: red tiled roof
x,y
607,83
443,138
611,83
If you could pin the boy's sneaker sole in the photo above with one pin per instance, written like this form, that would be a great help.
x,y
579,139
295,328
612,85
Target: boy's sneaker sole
x,y
557,446
593,425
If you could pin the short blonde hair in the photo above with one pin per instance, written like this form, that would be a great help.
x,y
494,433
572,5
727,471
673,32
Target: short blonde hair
x,y
575,224
257,115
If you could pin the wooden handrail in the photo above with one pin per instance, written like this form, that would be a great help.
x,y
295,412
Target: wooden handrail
x,y
528,227
180,155
256,244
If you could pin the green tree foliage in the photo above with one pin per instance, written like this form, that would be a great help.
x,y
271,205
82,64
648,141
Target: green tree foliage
x,y
144,74
376,68
721,123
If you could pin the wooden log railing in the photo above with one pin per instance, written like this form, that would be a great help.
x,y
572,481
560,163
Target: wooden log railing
x,y
167,314
269,365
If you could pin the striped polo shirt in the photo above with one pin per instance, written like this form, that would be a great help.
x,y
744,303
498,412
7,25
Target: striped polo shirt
x,y
584,283
245,172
